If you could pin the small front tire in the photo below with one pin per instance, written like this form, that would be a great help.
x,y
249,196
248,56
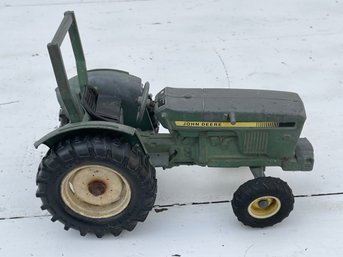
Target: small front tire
x,y
262,202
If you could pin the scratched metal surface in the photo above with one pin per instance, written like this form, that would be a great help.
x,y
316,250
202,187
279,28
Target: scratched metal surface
x,y
283,45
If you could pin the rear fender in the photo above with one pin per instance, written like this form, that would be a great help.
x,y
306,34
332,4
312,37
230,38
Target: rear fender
x,y
90,127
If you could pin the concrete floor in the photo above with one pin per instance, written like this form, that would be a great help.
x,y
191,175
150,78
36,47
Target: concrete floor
x,y
280,45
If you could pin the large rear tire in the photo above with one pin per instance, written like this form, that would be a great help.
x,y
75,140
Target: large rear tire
x,y
96,184
262,202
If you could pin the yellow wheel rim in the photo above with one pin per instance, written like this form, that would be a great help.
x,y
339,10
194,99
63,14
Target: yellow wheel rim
x,y
95,191
264,207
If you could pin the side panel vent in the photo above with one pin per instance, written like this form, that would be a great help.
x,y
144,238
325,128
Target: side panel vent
x,y
255,142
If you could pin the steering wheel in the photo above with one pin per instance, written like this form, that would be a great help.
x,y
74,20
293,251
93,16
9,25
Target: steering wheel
x,y
142,102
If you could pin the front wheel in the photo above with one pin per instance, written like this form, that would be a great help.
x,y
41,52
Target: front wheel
x,y
96,184
262,202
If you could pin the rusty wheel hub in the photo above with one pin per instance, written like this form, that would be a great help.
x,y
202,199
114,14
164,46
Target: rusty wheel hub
x,y
95,191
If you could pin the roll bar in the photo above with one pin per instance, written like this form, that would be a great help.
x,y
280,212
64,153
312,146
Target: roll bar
x,y
69,98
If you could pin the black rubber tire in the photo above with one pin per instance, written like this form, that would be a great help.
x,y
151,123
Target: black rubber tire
x,y
105,150
259,187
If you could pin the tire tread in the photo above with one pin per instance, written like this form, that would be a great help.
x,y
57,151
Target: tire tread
x,y
103,147
258,187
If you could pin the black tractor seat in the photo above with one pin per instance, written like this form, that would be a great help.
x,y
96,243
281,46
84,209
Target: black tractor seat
x,y
102,107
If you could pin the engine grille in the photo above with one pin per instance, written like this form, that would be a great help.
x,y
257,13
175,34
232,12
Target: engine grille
x,y
255,142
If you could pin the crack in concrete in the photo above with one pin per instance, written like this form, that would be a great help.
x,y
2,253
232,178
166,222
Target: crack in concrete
x,y
12,102
25,217
164,207
316,195
224,66
228,201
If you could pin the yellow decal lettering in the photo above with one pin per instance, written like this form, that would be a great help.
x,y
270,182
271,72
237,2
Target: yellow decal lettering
x,y
248,124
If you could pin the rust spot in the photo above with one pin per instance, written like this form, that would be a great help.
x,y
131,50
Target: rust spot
x,y
97,187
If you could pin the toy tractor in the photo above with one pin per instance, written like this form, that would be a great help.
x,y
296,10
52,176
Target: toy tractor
x,y
99,173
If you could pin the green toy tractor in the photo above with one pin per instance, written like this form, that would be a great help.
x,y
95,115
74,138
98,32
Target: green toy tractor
x,y
99,173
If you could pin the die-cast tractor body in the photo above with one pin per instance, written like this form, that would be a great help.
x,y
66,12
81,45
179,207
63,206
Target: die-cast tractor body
x,y
99,174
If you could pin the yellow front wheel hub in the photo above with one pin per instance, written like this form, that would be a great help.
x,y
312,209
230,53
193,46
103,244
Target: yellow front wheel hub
x,y
264,207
